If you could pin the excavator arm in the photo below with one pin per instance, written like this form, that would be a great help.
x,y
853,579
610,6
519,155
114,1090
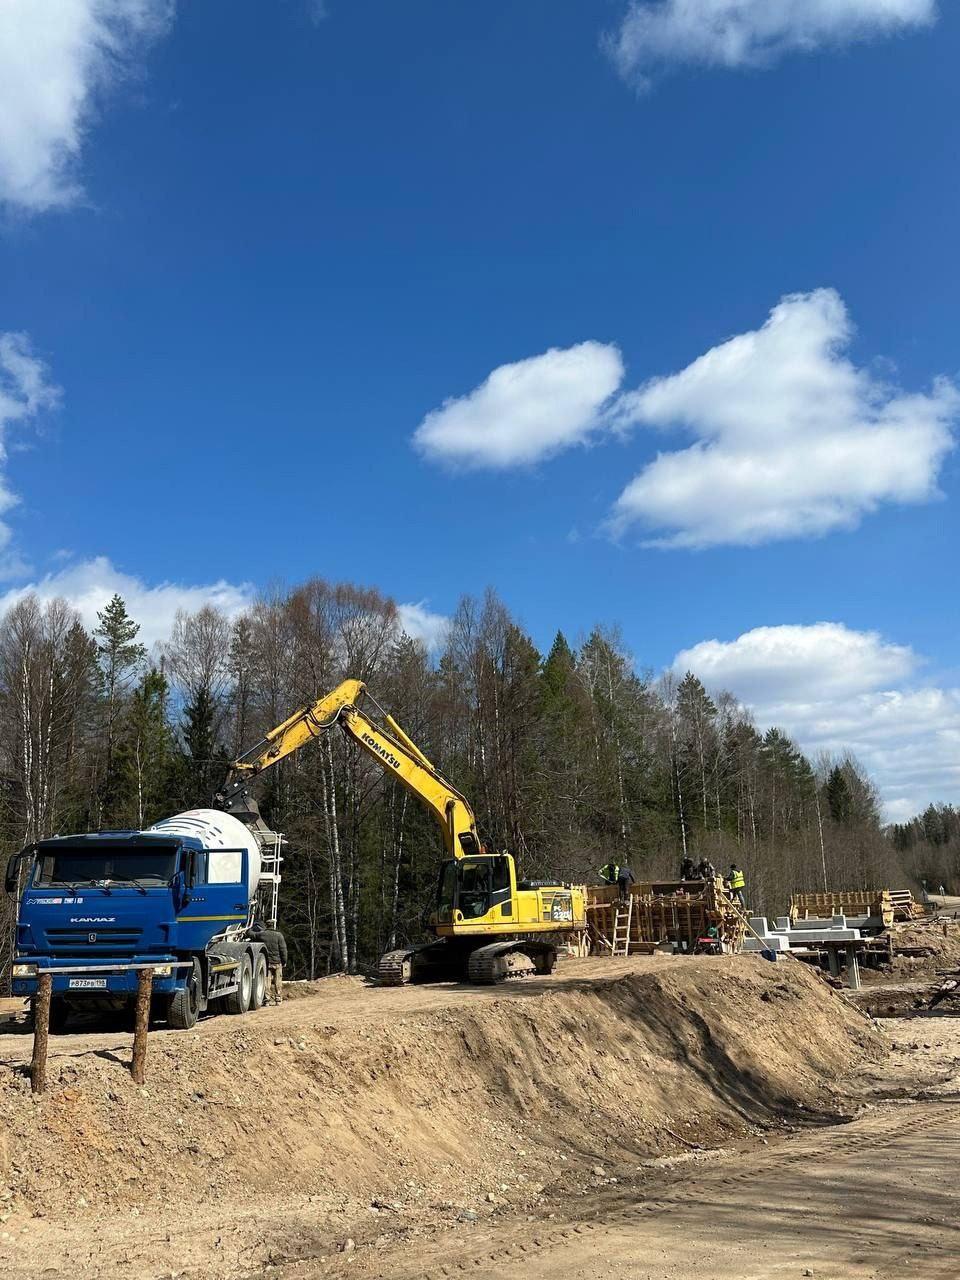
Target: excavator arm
x,y
393,750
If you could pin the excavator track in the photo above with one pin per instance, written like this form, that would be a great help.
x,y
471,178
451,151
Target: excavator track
x,y
428,960
396,967
502,960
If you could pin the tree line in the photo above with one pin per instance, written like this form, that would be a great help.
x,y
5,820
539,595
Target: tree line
x,y
570,758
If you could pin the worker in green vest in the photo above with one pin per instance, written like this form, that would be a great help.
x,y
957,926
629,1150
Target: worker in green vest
x,y
737,883
610,873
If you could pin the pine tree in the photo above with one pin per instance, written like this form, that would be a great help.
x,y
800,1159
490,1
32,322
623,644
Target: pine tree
x,y
204,761
119,655
696,713
838,796
144,756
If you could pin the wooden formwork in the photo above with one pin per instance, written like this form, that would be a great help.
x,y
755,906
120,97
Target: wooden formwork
x,y
679,911
847,902
905,906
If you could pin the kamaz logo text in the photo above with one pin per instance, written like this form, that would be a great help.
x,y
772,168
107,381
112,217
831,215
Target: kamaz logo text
x,y
92,919
382,752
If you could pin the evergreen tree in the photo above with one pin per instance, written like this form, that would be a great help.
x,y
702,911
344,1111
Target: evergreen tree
x,y
145,754
119,655
204,760
695,715
838,796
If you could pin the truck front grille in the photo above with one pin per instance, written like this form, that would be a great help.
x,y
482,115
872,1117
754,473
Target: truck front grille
x,y
104,941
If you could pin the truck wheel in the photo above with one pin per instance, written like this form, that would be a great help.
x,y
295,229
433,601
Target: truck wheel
x,y
259,998
239,1001
184,1007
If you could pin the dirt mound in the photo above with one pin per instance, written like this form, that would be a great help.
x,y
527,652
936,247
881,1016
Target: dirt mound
x,y
485,1102
936,941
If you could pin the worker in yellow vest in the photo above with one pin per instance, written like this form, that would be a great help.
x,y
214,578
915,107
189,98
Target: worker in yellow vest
x,y
737,883
610,873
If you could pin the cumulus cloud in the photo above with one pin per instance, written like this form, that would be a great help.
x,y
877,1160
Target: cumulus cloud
x,y
835,689
57,60
89,586
792,440
25,392
788,661
419,623
526,411
658,34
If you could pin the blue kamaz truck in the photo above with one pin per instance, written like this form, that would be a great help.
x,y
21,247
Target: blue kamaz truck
x,y
179,897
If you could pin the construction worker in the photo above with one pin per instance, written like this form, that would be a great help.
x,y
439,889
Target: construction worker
x,y
610,873
687,870
737,883
706,870
624,881
275,945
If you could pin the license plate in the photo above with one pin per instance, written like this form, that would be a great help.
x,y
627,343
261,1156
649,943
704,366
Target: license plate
x,y
87,984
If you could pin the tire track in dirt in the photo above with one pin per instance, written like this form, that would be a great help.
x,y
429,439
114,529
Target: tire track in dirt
x,y
615,1210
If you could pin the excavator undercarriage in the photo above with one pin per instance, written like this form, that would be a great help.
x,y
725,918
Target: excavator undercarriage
x,y
484,963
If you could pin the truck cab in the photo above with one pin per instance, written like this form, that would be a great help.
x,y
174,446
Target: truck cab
x,y
95,909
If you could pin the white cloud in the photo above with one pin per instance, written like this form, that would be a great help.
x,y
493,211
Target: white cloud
x,y
836,690
750,33
57,58
790,660
526,411
25,392
792,439
90,584
420,624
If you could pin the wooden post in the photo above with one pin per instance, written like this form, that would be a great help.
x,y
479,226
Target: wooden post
x,y
138,1067
41,1032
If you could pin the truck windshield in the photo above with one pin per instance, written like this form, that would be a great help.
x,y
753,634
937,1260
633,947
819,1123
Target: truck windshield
x,y
81,866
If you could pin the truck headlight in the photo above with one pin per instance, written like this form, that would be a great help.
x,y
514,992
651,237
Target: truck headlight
x,y
162,970
24,970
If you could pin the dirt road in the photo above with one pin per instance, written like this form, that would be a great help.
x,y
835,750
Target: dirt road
x,y
657,1118
873,1199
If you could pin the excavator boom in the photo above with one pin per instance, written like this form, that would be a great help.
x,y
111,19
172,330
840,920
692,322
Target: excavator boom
x,y
487,926
390,746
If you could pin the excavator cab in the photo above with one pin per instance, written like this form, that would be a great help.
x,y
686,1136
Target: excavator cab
x,y
475,889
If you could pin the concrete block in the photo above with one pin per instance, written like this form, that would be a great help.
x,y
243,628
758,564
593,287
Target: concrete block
x,y
808,937
771,942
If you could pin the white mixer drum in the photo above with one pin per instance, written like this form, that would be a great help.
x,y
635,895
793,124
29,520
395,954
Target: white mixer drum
x,y
222,835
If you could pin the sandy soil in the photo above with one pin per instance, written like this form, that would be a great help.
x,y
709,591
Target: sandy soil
x,y
872,1198
653,1117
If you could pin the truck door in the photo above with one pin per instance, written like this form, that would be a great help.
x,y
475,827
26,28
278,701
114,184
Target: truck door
x,y
218,899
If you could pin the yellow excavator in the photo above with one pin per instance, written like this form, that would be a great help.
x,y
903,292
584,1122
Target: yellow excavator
x,y
487,925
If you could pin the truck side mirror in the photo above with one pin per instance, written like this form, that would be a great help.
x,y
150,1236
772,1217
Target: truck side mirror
x,y
13,874
181,894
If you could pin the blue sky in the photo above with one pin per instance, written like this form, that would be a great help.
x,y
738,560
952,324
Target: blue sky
x,y
260,244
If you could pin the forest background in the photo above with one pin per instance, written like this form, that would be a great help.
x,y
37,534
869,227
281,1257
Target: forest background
x,y
570,759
